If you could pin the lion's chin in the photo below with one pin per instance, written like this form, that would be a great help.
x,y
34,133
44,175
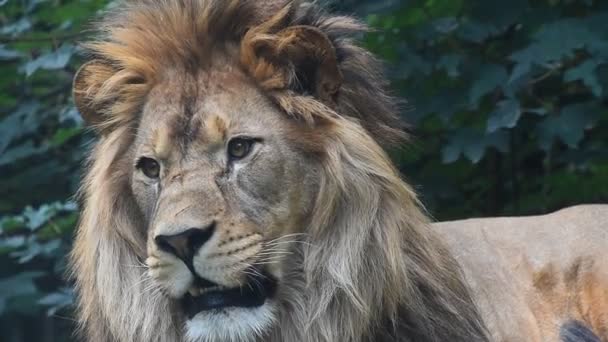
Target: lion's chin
x,y
231,323
219,313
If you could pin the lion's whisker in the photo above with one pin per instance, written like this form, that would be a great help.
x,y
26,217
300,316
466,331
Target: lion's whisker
x,y
136,266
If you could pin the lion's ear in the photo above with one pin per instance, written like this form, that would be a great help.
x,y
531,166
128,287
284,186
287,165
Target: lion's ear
x,y
87,83
312,60
298,58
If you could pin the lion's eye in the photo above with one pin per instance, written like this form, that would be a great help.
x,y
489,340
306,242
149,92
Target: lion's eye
x,y
239,148
149,167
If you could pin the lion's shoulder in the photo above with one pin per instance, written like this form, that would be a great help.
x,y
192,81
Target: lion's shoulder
x,y
533,266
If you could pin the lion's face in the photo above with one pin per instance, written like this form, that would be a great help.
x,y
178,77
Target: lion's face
x,y
221,184
239,157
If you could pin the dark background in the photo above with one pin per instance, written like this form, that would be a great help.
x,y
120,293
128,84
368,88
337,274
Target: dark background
x,y
507,102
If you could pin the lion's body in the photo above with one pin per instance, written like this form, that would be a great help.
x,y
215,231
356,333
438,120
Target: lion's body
x,y
532,275
303,232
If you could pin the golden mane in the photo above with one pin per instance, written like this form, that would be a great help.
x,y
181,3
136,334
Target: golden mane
x,y
373,270
142,39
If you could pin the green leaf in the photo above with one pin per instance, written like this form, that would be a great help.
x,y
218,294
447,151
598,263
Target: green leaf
x,y
57,59
490,77
570,125
10,224
505,115
57,300
552,43
60,226
63,135
35,249
11,243
19,123
17,27
8,54
35,218
472,144
586,72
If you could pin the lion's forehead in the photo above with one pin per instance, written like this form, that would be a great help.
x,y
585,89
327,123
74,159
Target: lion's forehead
x,y
205,109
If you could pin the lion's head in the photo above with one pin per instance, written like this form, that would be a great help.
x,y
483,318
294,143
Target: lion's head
x,y
239,191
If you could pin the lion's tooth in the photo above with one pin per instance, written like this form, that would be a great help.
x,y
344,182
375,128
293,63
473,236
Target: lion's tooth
x,y
209,289
198,291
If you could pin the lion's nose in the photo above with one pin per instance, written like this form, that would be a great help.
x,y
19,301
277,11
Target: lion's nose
x,y
185,244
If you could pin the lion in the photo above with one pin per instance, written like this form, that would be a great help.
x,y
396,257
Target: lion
x,y
240,190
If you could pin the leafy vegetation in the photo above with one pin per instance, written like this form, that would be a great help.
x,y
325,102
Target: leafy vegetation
x,y
507,101
507,104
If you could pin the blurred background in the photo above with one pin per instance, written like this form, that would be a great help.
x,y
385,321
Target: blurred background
x,y
507,102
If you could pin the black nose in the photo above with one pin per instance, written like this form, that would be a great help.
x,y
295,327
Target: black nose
x,y
185,244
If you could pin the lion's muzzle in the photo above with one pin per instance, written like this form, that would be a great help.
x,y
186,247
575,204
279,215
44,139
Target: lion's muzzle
x,y
186,244
204,294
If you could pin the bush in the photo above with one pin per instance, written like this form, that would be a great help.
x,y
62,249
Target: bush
x,y
507,101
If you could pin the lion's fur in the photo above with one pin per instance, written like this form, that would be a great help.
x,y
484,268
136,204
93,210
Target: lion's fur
x,y
371,270
141,49
537,277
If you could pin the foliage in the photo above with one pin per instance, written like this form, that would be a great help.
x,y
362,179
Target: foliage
x,y
507,102
41,149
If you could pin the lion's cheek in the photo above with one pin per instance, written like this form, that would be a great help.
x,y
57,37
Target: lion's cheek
x,y
172,275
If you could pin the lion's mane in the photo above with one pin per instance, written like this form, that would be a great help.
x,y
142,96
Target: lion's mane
x,y
370,270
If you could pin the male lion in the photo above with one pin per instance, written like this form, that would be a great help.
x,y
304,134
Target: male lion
x,y
239,192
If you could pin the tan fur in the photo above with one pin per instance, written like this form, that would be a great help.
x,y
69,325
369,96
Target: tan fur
x,y
530,275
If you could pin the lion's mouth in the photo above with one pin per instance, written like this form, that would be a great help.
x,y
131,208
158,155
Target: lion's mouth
x,y
205,295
